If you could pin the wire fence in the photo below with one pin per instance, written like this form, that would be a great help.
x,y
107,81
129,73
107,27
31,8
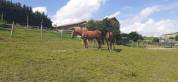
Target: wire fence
x,y
150,44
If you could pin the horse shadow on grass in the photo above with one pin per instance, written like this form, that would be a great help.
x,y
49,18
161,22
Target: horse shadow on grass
x,y
115,50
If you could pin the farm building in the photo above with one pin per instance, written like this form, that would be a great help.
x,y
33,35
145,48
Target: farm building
x,y
70,26
81,24
169,36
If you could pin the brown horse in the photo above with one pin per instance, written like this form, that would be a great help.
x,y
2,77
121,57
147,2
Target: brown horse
x,y
77,31
110,40
91,35
87,35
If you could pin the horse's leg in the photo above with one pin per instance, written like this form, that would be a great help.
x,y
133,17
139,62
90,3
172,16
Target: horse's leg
x,y
103,40
114,46
85,43
113,43
107,44
99,43
94,42
110,46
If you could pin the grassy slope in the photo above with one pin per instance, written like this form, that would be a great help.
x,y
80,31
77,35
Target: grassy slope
x,y
25,57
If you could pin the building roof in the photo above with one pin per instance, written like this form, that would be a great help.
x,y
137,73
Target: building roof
x,y
171,33
84,22
73,24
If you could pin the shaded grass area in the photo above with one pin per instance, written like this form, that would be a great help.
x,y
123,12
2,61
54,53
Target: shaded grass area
x,y
25,57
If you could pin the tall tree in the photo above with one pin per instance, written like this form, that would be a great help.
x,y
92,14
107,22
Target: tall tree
x,y
19,14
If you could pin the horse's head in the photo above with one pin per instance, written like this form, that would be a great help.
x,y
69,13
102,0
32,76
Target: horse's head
x,y
73,32
76,31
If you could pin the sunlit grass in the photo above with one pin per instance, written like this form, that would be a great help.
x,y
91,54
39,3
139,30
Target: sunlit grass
x,y
25,57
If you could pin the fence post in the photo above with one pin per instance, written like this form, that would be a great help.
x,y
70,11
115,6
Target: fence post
x,y
137,44
61,32
27,21
12,29
2,17
41,29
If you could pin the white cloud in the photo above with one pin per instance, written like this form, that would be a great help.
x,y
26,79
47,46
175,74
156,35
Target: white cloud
x,y
149,11
147,26
76,11
114,14
40,9
152,27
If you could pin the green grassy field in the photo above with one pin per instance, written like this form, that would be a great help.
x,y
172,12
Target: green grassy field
x,y
26,58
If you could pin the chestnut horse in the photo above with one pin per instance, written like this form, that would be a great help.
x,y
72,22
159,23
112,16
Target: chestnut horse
x,y
77,31
110,40
91,35
87,35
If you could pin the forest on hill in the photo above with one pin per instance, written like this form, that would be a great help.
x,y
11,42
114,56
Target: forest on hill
x,y
19,13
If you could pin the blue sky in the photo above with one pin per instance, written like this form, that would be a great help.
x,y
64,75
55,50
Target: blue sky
x,y
110,7
148,17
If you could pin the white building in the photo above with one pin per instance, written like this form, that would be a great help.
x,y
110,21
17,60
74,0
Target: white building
x,y
169,36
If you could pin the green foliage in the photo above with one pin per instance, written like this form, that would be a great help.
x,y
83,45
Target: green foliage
x,y
91,25
18,13
176,38
135,36
106,25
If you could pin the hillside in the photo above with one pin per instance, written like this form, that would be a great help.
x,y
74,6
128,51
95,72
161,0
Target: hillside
x,y
25,57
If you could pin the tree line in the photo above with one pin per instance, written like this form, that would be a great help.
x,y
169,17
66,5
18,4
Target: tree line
x,y
20,14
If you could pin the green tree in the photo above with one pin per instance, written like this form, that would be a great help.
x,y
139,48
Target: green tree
x,y
18,13
135,36
91,25
106,25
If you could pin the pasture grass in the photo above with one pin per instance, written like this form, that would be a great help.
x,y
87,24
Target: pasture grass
x,y
26,58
